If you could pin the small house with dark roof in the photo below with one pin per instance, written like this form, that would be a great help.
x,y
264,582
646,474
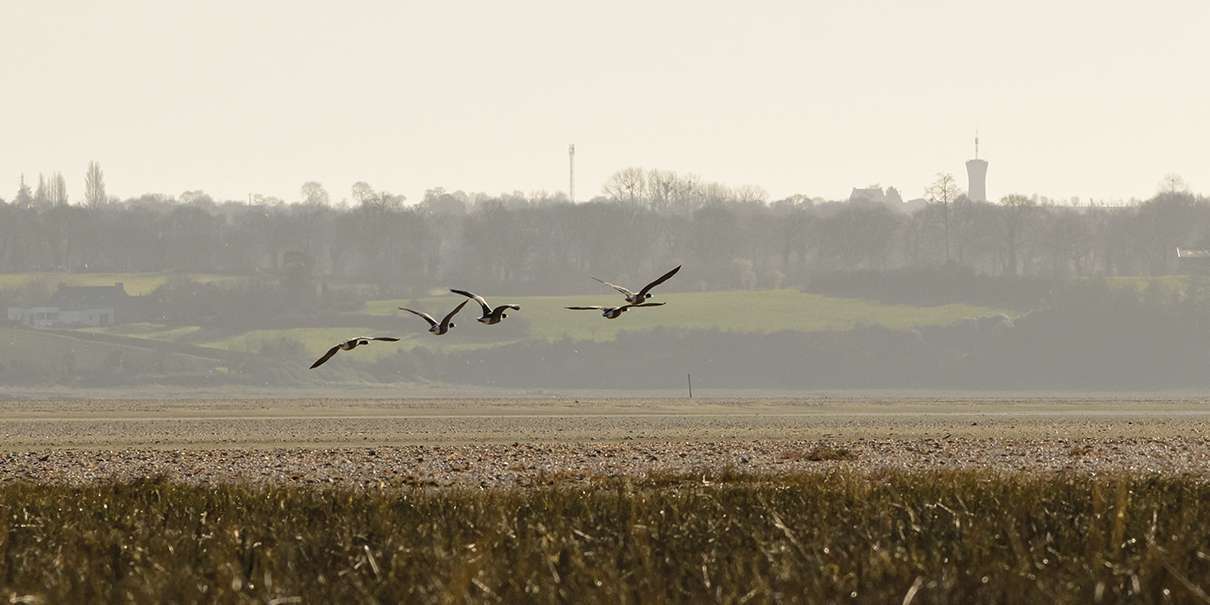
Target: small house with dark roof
x,y
1195,261
75,306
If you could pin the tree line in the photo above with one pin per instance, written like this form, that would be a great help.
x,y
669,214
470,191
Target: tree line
x,y
644,221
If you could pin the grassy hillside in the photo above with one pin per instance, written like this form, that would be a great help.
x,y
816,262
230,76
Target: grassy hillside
x,y
1167,284
314,340
150,331
22,348
760,312
318,340
757,312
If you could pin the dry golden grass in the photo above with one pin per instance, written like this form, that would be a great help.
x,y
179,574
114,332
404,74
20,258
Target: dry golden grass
x,y
956,537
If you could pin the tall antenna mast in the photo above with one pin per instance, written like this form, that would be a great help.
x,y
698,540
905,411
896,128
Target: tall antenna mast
x,y
571,177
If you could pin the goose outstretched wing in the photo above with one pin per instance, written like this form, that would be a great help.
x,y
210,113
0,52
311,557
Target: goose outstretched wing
x,y
475,297
498,311
426,316
663,278
624,291
445,321
326,357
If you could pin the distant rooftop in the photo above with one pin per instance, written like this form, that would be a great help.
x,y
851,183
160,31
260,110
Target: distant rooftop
x,y
1198,253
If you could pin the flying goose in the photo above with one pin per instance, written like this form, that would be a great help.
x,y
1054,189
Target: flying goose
x,y
349,345
434,327
614,312
635,298
490,316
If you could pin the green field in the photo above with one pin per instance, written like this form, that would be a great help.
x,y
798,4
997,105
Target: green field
x,y
28,348
1168,284
314,340
715,537
760,312
149,331
318,340
136,284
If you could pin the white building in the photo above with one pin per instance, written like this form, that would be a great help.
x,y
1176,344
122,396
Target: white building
x,y
75,306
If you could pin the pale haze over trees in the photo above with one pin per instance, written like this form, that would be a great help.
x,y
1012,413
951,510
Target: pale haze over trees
x,y
644,219
232,97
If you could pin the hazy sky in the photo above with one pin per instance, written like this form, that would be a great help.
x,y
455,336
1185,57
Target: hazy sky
x,y
1078,97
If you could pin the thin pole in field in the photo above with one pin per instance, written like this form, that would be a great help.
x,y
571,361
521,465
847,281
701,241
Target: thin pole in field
x,y
690,376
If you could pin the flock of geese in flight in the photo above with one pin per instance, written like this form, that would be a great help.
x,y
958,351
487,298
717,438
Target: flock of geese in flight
x,y
494,315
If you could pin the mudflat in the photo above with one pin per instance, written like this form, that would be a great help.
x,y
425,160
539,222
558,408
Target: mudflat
x,y
492,441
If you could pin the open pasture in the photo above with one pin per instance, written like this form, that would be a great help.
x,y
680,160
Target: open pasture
x,y
759,312
544,317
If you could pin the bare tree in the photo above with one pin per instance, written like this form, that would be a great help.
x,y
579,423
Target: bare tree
x,y
56,192
687,196
196,197
944,190
381,201
94,186
1016,209
267,200
662,185
24,197
749,194
627,185
1173,183
715,193
439,202
362,192
40,197
314,194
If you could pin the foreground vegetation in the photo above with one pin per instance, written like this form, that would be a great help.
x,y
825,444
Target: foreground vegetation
x,y
964,537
